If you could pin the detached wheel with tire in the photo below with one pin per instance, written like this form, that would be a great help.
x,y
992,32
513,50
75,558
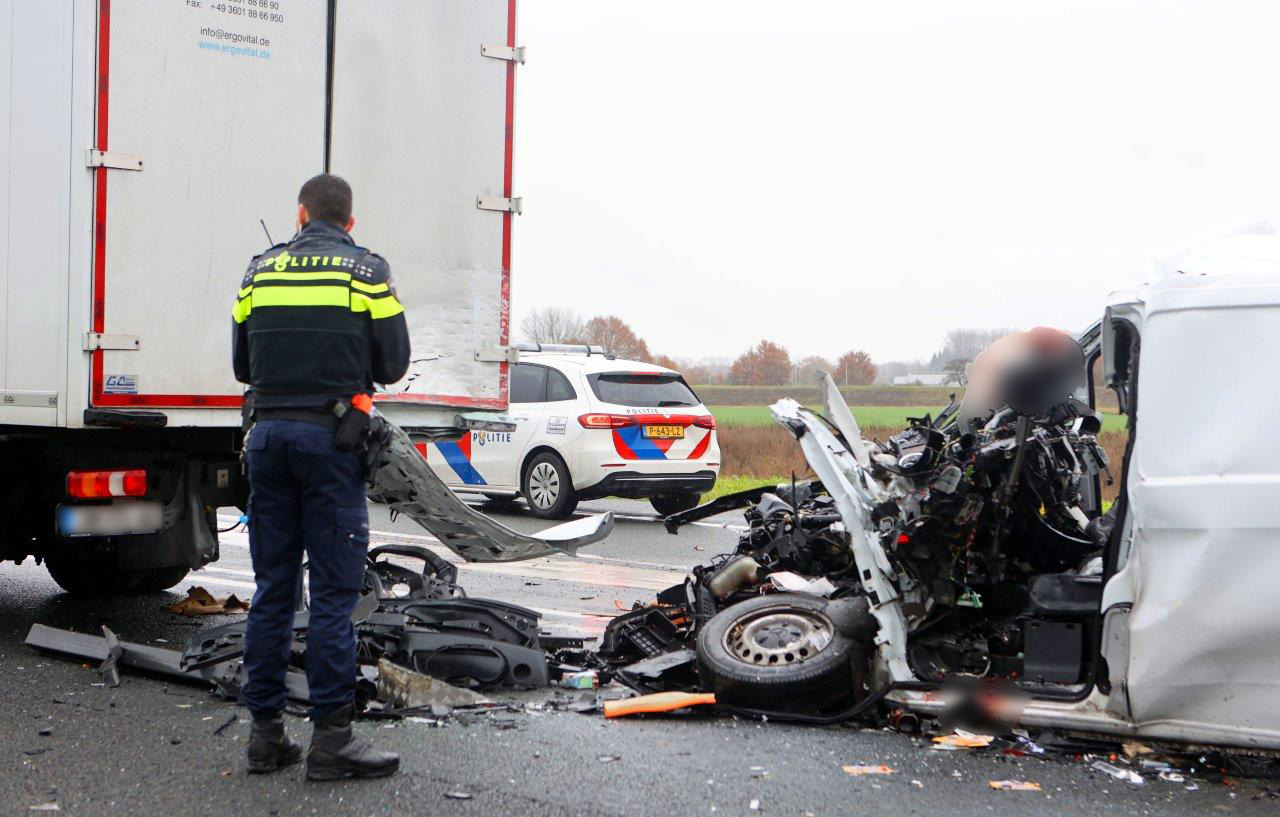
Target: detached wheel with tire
x,y
781,653
547,487
667,504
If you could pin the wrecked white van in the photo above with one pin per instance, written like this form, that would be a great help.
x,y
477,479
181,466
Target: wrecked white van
x,y
1175,632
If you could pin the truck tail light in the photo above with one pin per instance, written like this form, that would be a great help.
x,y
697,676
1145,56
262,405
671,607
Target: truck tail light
x,y
606,421
105,484
705,422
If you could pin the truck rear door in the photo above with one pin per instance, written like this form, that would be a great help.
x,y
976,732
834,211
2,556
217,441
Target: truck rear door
x,y
210,115
422,107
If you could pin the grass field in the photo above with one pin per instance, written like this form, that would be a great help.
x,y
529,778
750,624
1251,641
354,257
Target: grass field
x,y
867,416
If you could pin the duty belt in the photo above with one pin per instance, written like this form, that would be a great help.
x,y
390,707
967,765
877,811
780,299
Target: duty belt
x,y
320,417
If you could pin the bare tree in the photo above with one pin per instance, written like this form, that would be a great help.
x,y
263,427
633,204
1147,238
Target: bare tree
x,y
552,325
965,344
807,369
957,374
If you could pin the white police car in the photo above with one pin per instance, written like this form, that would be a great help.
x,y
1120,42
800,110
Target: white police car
x,y
589,426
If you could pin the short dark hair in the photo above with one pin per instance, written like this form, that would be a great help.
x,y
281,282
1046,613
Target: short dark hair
x,y
327,198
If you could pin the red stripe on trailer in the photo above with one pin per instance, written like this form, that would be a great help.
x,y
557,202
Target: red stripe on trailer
x,y
100,193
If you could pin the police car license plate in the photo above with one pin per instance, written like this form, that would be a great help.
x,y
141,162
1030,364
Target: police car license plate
x,y
664,432
117,519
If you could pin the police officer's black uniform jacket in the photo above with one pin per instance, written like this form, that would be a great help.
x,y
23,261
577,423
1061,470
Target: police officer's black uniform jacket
x,y
317,319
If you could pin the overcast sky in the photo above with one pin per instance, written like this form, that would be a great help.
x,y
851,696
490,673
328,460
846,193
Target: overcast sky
x,y
836,174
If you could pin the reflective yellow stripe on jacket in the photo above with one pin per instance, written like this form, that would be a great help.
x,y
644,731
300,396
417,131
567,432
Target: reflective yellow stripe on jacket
x,y
281,289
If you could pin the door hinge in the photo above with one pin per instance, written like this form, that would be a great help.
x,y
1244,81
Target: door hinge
x,y
498,354
93,341
504,52
113,160
500,203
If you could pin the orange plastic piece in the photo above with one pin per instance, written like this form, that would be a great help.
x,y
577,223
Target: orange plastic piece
x,y
364,402
657,702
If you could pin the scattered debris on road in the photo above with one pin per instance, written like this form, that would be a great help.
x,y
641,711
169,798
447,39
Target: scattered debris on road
x,y
657,702
1014,785
200,602
863,771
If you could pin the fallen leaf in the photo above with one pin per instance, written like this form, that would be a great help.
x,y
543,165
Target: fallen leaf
x,y
859,771
1013,785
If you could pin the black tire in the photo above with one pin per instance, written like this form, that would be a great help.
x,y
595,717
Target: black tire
x,y
548,488
779,653
90,573
667,504
96,574
159,579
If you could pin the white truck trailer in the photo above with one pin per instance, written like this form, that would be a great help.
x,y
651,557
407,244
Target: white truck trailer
x,y
142,141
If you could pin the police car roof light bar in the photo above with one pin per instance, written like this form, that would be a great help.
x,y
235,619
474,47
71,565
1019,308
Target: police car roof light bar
x,y
564,349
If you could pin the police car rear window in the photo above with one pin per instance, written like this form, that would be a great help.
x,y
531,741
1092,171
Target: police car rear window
x,y
642,390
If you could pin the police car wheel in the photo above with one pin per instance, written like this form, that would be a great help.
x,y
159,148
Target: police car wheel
x,y
547,487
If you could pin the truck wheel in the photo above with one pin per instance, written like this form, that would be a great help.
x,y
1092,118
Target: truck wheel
x,y
667,504
91,574
97,575
548,488
158,579
778,652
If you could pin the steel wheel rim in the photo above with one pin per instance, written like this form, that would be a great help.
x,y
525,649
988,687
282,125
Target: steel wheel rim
x,y
544,485
778,637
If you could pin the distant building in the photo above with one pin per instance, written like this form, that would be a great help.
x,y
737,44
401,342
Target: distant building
x,y
921,379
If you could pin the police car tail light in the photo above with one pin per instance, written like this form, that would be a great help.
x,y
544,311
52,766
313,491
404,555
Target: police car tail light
x,y
105,484
705,422
606,421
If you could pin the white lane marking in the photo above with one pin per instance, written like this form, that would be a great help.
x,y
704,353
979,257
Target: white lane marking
x,y
197,579
557,569
228,571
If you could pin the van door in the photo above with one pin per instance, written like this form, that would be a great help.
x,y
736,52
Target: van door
x,y
1204,524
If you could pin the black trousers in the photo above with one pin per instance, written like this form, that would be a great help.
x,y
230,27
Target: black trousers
x,y
305,496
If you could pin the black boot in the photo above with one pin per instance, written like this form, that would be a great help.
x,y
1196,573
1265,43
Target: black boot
x,y
335,754
270,747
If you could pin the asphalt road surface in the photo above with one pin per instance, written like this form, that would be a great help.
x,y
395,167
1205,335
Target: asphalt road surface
x,y
155,748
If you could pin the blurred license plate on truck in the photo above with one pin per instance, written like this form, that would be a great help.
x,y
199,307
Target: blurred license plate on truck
x,y
664,432
118,518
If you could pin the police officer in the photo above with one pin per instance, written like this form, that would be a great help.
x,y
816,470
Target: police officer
x,y
316,322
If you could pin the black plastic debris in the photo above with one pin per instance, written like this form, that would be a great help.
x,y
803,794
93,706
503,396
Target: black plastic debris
x,y
661,673
418,620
